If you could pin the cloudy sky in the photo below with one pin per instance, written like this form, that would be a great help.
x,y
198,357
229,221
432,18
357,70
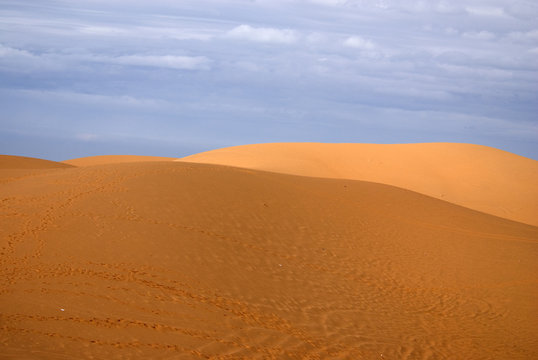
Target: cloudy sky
x,y
172,78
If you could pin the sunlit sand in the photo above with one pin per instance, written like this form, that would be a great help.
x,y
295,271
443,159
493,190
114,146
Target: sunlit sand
x,y
224,260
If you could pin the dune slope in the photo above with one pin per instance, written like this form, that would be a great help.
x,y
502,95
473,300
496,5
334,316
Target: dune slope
x,y
177,260
23,162
478,177
19,167
113,159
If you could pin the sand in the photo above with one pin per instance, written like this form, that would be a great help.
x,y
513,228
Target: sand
x,y
478,177
177,260
22,162
18,167
113,159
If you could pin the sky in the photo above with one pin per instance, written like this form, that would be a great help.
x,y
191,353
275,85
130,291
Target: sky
x,y
174,78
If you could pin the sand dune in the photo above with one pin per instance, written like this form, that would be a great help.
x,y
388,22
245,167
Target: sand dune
x,y
174,260
19,167
23,162
113,159
478,177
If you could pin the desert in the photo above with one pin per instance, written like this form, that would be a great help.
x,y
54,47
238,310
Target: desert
x,y
271,251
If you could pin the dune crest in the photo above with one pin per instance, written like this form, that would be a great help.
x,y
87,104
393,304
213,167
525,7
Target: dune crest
x,y
22,162
478,177
113,159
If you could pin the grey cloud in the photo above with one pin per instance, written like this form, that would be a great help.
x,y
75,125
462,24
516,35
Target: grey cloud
x,y
304,70
479,35
92,99
524,36
359,43
167,61
263,34
486,11
23,58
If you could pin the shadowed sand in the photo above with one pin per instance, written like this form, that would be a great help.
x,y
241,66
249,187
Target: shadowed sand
x,y
23,162
175,260
114,159
478,177
19,167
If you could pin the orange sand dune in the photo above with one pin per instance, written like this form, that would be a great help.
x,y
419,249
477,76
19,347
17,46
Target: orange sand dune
x,y
113,159
18,167
174,260
478,177
23,162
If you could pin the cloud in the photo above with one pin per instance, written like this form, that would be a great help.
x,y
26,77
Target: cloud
x,y
263,34
133,63
104,30
485,11
23,59
163,61
147,32
479,35
86,136
67,97
473,72
329,2
358,42
451,31
9,52
531,35
446,7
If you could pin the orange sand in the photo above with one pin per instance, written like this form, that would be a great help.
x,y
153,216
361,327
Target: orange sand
x,y
175,260
19,167
23,162
114,159
478,177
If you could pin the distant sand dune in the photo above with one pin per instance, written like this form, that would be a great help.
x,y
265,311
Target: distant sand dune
x,y
23,162
478,177
175,260
114,159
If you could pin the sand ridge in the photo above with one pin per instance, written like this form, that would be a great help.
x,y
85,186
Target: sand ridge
x,y
113,159
22,162
479,177
181,260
